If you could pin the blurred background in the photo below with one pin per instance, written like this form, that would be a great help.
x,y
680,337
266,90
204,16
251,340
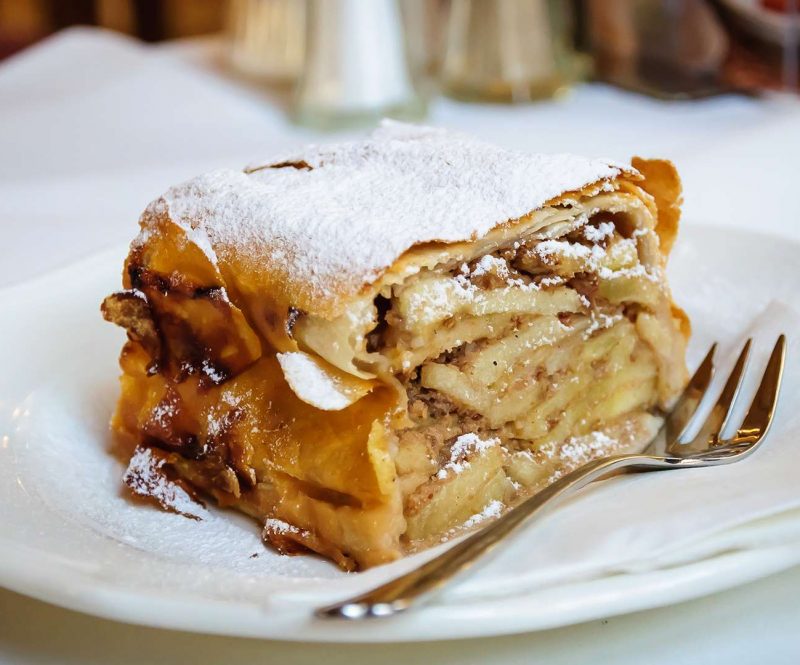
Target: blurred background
x,y
341,63
106,103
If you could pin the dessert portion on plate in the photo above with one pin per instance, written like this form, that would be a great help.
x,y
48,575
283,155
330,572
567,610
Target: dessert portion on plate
x,y
373,345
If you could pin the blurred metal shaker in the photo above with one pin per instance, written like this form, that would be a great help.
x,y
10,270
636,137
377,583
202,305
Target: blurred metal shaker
x,y
357,67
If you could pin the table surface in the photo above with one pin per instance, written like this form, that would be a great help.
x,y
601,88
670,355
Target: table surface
x,y
69,197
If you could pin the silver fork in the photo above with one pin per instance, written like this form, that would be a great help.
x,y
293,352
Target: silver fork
x,y
667,451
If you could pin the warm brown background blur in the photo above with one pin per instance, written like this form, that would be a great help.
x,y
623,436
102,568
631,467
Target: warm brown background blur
x,y
22,22
667,48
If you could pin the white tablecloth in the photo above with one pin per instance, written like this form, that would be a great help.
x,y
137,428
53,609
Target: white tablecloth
x,y
93,126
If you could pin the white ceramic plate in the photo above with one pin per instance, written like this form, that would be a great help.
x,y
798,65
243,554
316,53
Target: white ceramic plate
x,y
69,536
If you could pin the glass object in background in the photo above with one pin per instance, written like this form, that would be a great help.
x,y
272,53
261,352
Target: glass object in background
x,y
425,22
267,38
508,50
357,66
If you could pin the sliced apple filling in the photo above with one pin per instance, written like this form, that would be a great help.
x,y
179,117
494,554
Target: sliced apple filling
x,y
546,347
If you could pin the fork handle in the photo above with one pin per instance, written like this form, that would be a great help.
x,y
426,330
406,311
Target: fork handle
x,y
401,592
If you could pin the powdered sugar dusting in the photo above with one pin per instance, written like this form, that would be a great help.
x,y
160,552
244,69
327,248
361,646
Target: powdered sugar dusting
x,y
594,256
311,384
145,476
598,233
600,321
211,372
579,450
161,414
490,264
279,527
469,443
493,509
338,215
463,447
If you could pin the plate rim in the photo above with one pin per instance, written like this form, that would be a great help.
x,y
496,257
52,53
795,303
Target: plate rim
x,y
81,593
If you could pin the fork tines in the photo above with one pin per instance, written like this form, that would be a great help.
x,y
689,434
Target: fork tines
x,y
709,438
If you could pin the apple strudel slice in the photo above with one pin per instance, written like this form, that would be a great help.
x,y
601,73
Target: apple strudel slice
x,y
371,346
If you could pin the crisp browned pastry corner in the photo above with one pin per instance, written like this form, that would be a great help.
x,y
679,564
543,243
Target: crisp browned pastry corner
x,y
371,346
